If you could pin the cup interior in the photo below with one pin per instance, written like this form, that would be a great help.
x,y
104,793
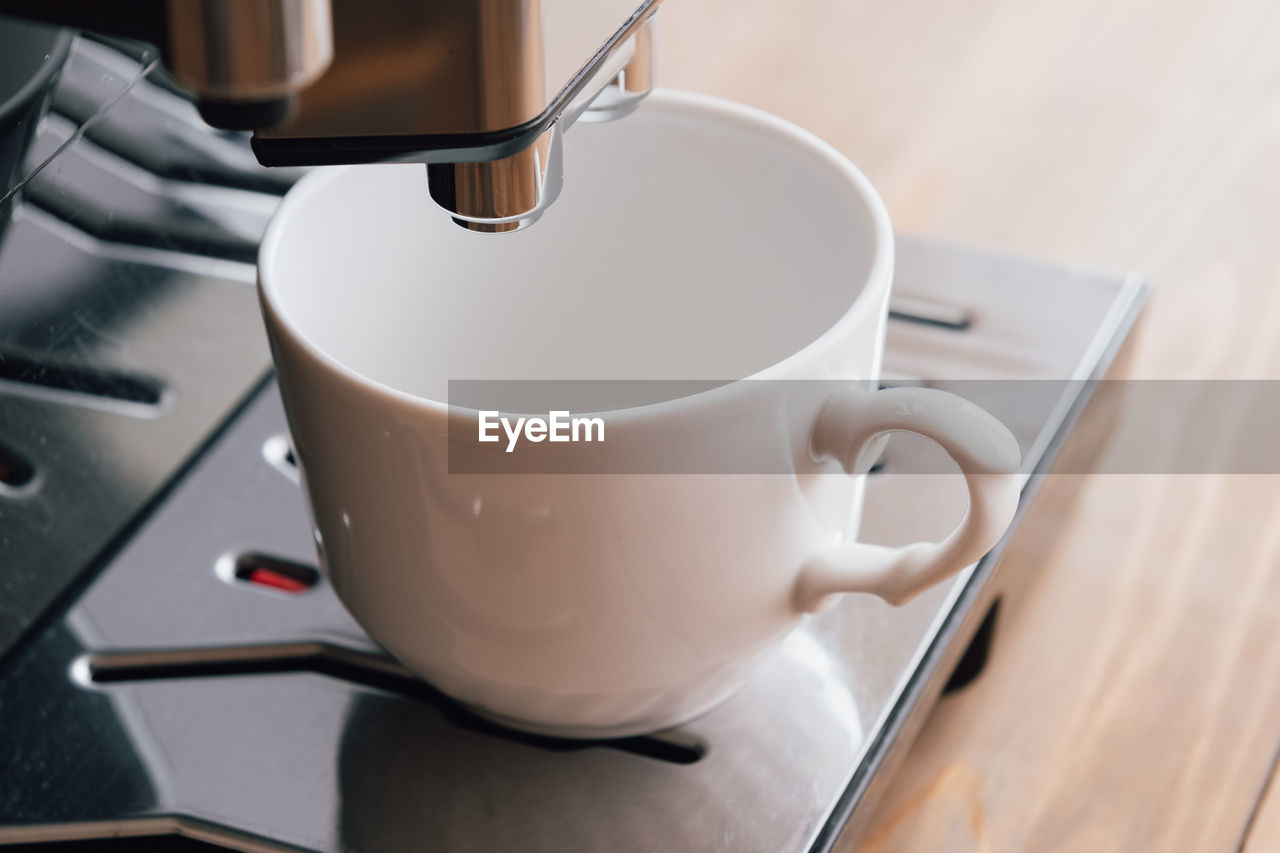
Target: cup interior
x,y
693,239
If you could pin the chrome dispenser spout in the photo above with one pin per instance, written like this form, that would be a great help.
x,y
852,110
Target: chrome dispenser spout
x,y
511,193
500,196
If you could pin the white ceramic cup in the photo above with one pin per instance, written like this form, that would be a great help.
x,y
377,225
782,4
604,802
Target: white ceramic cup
x,y
694,239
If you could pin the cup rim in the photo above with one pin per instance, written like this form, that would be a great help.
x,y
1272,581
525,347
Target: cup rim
x,y
722,110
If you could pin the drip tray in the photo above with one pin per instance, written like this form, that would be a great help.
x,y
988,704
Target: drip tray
x,y
208,691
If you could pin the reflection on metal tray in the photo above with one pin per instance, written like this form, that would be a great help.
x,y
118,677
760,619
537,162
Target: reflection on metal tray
x,y
121,343
199,680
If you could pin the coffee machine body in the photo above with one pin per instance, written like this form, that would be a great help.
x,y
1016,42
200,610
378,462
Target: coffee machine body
x,y
481,91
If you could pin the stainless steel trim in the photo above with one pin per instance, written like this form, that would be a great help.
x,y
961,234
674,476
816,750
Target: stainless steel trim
x,y
248,50
500,196
163,826
934,312
637,78
129,664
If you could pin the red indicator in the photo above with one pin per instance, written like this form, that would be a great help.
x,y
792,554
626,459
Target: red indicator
x,y
275,580
275,573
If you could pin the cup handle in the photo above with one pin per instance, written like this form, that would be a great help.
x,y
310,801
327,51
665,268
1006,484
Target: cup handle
x,y
849,424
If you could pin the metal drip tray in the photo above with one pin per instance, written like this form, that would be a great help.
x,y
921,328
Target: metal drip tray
x,y
198,686
199,677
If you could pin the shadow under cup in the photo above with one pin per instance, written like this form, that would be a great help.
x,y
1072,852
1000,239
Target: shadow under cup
x,y
694,240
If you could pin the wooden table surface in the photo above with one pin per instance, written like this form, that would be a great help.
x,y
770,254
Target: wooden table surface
x,y
1132,702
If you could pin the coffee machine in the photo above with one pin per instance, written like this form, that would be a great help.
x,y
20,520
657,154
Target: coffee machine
x,y
175,672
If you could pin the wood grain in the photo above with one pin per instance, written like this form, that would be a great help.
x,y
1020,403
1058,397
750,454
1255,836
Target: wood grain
x,y
1133,698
